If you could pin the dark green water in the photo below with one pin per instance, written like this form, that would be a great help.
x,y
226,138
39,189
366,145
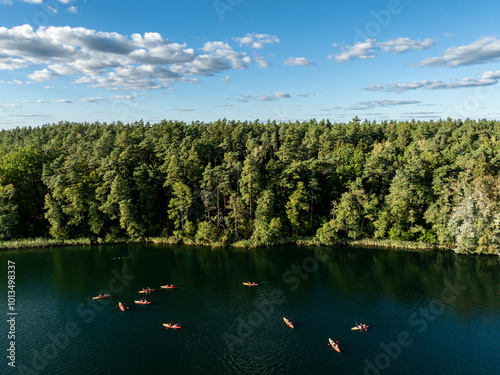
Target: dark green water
x,y
430,313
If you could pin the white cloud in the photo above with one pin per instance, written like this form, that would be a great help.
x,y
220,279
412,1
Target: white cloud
x,y
488,78
484,50
261,62
401,45
226,79
265,98
13,82
35,101
257,41
9,63
123,97
360,50
364,105
297,61
42,75
92,100
366,50
4,105
26,115
73,10
238,60
41,101
281,95
114,61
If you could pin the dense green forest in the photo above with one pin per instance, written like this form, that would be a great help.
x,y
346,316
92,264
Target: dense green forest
x,y
254,182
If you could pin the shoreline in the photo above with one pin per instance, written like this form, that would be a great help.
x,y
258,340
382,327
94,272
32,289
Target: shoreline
x,y
40,243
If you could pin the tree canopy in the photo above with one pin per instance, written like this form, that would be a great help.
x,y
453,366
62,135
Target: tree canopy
x,y
433,181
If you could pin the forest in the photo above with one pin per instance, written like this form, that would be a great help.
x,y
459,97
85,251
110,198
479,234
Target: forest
x,y
255,183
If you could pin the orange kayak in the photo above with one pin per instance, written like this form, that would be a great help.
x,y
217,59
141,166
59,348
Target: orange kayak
x,y
361,327
288,323
168,286
102,296
147,291
172,326
250,284
122,306
334,345
143,302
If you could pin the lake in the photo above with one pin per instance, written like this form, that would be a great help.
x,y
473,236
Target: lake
x,y
429,312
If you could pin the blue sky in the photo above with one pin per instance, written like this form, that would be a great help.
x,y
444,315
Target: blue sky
x,y
124,60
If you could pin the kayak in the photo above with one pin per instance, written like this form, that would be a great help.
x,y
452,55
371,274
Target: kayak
x,y
143,302
288,323
334,345
250,284
168,286
147,291
360,328
122,306
102,296
172,326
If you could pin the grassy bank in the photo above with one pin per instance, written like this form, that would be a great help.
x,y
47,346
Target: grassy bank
x,y
31,243
395,244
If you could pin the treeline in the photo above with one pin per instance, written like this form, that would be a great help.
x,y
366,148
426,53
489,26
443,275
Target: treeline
x,y
261,183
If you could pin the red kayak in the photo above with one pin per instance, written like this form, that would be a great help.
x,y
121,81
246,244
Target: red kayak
x,y
172,326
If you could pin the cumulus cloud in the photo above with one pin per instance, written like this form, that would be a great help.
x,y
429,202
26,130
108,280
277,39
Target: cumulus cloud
x,y
484,50
366,50
114,61
401,45
297,61
42,75
261,62
9,63
257,41
360,50
73,9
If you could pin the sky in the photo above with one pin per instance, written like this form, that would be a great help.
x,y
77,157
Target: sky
x,y
203,60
